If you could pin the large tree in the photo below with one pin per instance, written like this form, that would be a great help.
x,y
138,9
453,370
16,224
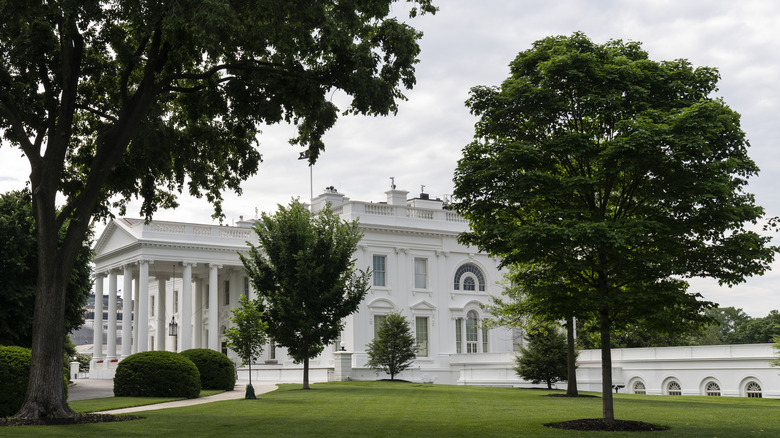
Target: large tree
x,y
18,273
613,173
306,278
109,100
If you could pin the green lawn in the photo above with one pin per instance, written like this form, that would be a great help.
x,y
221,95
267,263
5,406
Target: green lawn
x,y
383,409
109,403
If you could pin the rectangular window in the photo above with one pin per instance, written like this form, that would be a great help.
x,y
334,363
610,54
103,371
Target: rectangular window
x,y
227,292
420,273
421,328
207,296
378,320
246,287
151,305
272,349
459,335
484,339
379,270
175,301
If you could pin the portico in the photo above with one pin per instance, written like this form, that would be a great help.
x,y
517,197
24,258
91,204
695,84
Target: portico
x,y
166,272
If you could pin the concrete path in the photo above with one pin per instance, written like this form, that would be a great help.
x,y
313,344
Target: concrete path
x,y
99,388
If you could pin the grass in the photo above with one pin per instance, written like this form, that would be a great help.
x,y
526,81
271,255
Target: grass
x,y
109,403
387,409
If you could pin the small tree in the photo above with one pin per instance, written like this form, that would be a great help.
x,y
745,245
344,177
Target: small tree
x,y
394,348
247,335
306,277
545,358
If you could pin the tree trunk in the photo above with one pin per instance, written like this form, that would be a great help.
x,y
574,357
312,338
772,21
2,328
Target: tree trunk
x,y
571,360
608,413
45,395
306,373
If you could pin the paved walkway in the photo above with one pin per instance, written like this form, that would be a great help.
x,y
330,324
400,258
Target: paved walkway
x,y
98,388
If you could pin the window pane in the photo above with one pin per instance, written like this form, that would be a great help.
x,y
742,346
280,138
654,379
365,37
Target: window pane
x,y
378,320
421,327
227,293
459,335
484,339
420,273
379,270
471,332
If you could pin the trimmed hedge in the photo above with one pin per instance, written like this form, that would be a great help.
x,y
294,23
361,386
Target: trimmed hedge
x,y
156,374
216,370
14,374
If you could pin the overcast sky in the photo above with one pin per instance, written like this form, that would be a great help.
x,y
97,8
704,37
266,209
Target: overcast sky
x,y
469,43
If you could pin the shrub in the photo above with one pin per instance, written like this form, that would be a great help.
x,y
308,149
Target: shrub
x,y
216,370
156,374
14,374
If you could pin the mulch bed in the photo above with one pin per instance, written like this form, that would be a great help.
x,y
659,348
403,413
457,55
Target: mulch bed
x,y
78,419
598,424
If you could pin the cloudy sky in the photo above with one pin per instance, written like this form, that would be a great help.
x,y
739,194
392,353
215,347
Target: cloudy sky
x,y
470,43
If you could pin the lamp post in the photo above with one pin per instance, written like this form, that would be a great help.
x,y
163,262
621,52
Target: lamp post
x,y
173,330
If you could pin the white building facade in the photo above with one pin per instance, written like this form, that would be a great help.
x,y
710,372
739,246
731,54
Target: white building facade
x,y
168,270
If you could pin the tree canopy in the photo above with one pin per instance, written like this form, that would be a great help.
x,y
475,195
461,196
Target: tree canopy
x,y
18,273
614,178
111,100
306,278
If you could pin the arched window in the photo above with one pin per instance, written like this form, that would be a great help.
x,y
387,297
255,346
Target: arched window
x,y
471,278
673,388
712,388
753,390
472,327
639,388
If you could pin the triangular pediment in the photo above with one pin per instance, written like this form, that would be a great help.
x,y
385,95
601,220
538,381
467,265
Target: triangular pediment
x,y
381,304
423,305
113,238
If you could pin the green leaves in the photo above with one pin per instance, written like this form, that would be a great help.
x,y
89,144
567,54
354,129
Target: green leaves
x,y
394,347
609,177
305,277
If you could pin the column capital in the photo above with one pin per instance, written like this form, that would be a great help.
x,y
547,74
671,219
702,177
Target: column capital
x,y
215,265
144,261
191,264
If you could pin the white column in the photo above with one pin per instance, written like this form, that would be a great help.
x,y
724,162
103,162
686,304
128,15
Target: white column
x,y
162,328
135,313
197,321
127,310
142,315
213,307
111,335
97,349
186,308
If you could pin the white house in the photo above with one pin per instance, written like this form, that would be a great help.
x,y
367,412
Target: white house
x,y
419,269
168,271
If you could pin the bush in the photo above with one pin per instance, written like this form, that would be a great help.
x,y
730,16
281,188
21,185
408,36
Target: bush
x,y
216,370
14,374
156,374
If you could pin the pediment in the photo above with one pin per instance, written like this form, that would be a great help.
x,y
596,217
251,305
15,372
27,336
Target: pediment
x,y
381,304
114,237
423,305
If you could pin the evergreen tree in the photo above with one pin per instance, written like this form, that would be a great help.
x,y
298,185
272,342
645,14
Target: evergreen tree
x,y
394,347
544,360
